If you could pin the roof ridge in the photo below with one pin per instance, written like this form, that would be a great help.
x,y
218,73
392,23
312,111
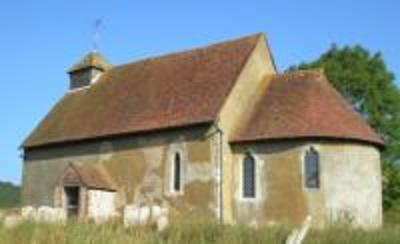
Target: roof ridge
x,y
188,50
304,72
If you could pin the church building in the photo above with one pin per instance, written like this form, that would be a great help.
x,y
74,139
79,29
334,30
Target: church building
x,y
215,131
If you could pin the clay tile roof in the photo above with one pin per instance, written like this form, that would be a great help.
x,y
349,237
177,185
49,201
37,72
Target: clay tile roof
x,y
304,104
180,89
94,177
91,60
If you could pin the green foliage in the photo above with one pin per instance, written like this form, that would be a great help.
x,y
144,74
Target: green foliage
x,y
365,81
391,186
9,195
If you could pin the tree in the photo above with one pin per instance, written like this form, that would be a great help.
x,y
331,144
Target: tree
x,y
365,81
9,195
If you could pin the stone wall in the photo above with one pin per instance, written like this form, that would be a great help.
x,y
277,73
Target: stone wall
x,y
139,165
350,184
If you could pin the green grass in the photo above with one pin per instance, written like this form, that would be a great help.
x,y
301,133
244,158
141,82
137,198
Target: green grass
x,y
392,216
185,230
179,232
342,235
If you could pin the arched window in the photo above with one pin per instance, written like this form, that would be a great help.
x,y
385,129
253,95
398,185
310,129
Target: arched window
x,y
177,171
249,172
311,169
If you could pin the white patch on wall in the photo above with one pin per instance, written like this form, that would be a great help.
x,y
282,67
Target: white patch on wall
x,y
352,187
101,205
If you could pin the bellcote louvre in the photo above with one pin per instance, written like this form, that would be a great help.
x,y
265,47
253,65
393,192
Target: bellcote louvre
x,y
87,70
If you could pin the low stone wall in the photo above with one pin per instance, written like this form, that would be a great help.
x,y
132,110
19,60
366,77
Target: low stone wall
x,y
43,214
101,205
146,215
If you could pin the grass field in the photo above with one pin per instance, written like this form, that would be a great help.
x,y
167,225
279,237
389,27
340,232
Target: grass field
x,y
184,231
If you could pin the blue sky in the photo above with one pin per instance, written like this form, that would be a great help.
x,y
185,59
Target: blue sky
x,y
40,40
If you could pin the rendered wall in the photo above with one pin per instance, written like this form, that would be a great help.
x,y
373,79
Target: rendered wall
x,y
237,109
350,185
139,165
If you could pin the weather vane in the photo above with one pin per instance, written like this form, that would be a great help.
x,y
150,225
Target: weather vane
x,y
96,35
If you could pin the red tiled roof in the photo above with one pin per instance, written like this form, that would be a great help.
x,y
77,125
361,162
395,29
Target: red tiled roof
x,y
169,91
304,104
